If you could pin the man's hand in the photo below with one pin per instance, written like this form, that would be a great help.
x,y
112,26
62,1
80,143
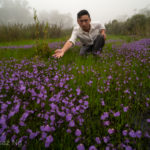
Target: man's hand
x,y
104,36
58,53
103,33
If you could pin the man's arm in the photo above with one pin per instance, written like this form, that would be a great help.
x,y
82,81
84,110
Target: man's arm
x,y
60,52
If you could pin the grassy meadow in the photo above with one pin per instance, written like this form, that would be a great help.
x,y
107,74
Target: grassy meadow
x,y
76,102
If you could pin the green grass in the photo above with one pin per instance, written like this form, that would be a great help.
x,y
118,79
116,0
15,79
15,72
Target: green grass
x,y
95,67
30,42
16,53
29,53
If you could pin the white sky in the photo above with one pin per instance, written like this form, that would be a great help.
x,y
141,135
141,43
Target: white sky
x,y
100,10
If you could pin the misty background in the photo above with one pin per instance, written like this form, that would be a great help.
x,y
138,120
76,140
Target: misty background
x,y
63,13
57,18
19,11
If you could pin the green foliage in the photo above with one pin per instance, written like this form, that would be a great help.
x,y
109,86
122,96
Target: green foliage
x,y
138,24
41,47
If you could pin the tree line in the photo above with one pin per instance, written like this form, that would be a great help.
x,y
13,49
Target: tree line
x,y
138,24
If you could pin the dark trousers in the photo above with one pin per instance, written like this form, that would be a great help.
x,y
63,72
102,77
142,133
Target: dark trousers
x,y
98,44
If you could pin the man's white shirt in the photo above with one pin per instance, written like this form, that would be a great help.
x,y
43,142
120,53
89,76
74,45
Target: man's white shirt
x,y
86,38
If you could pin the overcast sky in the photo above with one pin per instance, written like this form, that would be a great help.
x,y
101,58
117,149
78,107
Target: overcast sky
x,y
101,10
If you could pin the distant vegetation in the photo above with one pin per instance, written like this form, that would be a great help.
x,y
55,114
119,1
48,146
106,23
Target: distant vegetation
x,y
17,23
20,25
14,32
138,24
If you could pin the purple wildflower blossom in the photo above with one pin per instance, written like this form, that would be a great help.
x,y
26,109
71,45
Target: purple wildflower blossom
x,y
92,147
117,114
138,134
104,116
125,109
98,141
80,147
124,132
148,120
132,134
78,91
106,139
111,131
48,141
77,132
68,117
71,123
106,123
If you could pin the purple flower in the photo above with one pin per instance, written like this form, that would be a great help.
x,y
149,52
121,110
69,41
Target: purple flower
x,y
73,110
124,132
78,91
125,109
147,134
132,134
138,134
106,123
53,106
92,147
71,123
15,128
128,148
86,103
24,116
111,131
44,134
52,118
103,103
2,137
77,132
21,123
3,119
4,107
127,140
68,117
148,120
62,114
80,147
22,88
98,141
127,91
13,138
68,131
106,139
33,135
11,114
104,116
45,128
117,114
77,139
109,77
48,141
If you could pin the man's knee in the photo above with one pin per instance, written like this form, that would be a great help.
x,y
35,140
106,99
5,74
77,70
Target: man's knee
x,y
85,50
100,37
82,51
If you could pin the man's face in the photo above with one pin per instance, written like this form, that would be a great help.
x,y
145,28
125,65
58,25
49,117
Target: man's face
x,y
84,22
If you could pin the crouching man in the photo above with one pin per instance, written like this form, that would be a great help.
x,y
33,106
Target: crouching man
x,y
91,35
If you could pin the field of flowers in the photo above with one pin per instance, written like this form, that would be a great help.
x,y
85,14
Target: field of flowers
x,y
93,102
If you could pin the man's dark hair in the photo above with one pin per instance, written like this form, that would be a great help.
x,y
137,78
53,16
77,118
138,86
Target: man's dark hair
x,y
82,12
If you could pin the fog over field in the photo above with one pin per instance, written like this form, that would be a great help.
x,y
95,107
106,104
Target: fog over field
x,y
64,12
